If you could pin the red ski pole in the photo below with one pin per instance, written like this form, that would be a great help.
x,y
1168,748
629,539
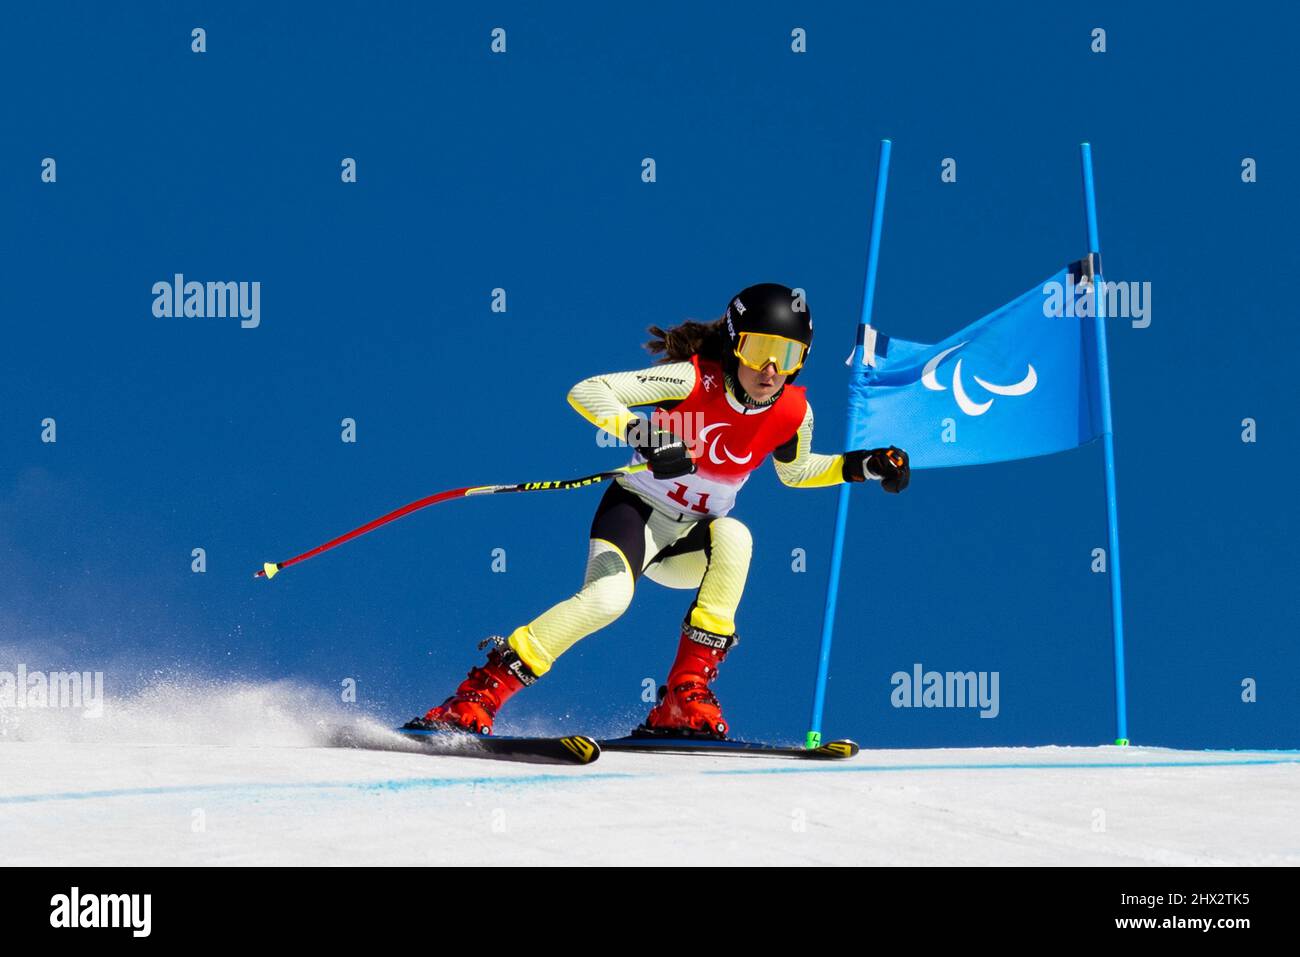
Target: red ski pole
x,y
271,569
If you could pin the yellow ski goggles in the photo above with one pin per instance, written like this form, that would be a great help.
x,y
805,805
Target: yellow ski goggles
x,y
756,351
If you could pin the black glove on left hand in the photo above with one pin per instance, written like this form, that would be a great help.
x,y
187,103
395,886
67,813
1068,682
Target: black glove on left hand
x,y
889,465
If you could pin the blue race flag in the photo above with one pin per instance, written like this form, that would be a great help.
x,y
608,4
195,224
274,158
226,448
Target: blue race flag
x,y
1018,383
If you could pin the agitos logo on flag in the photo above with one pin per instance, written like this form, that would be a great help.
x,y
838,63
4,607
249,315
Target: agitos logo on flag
x,y
1015,384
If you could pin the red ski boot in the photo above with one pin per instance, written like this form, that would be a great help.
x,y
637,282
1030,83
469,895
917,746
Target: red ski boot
x,y
475,704
686,705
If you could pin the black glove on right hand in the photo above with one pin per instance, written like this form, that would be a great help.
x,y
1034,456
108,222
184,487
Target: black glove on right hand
x,y
664,452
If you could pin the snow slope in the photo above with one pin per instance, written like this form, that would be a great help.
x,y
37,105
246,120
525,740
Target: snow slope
x,y
232,778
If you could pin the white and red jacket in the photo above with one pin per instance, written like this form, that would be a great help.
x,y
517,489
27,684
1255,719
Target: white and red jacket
x,y
726,438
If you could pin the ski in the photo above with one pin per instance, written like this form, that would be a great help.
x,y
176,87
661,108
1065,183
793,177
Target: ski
x,y
830,751
579,749
570,749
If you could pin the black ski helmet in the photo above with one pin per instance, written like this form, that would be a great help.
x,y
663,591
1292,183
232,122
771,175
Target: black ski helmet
x,y
769,309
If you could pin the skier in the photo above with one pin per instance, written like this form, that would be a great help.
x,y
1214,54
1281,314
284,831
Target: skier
x,y
723,401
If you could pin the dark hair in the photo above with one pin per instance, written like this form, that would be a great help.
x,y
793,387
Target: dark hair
x,y
708,340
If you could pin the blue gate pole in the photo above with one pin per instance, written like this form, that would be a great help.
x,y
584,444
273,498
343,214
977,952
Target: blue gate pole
x,y
1108,442
814,736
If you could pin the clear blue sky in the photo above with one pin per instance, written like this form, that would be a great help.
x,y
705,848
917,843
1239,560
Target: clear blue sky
x,y
522,171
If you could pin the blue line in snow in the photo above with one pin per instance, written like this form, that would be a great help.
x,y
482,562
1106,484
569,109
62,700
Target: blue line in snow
x,y
1059,765
529,780
397,784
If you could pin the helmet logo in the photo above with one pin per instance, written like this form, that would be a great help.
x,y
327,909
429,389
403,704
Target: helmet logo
x,y
740,306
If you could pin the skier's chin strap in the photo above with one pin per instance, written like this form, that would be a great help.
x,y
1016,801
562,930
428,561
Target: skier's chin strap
x,y
744,398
